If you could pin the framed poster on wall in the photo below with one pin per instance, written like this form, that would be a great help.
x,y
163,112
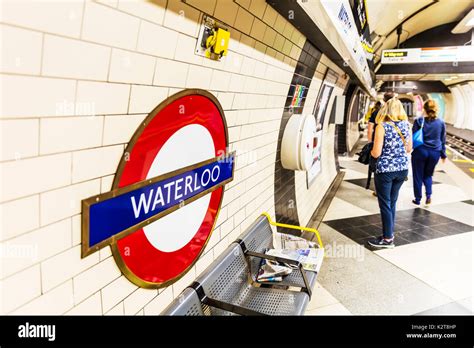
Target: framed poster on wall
x,y
320,110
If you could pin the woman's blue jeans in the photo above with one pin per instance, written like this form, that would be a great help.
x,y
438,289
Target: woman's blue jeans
x,y
387,186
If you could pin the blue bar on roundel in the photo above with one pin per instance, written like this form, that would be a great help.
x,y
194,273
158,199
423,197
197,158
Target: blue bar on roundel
x,y
116,214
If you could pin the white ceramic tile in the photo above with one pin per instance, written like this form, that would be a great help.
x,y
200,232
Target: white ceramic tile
x,y
35,247
121,29
131,67
19,289
55,302
74,59
119,129
19,139
19,216
95,278
170,73
45,96
116,291
103,98
157,40
159,303
150,10
90,306
21,50
143,99
66,201
138,299
199,77
94,163
64,266
50,172
70,133
443,263
59,17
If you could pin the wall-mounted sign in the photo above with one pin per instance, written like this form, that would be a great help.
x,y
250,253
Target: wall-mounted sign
x,y
359,11
297,96
320,113
167,191
340,13
428,55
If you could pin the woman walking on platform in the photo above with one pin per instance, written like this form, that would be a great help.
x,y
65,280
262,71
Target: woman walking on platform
x,y
392,144
425,157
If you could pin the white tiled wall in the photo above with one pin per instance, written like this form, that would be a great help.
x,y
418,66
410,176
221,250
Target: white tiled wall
x,y
77,77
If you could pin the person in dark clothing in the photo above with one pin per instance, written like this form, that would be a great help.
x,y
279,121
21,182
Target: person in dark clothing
x,y
371,125
425,157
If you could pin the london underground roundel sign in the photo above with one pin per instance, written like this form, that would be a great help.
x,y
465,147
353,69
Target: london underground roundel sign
x,y
167,191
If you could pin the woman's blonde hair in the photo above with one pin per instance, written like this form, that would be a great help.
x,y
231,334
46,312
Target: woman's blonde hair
x,y
431,109
391,111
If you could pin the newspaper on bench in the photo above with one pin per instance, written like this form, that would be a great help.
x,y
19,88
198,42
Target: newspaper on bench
x,y
310,258
290,242
289,247
272,271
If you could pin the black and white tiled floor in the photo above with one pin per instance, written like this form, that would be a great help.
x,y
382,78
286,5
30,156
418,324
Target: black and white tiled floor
x,y
411,226
430,271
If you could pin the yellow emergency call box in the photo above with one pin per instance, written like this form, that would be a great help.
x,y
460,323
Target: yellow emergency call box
x,y
221,42
213,41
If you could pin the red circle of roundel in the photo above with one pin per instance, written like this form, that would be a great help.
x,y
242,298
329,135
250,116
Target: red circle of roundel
x,y
140,261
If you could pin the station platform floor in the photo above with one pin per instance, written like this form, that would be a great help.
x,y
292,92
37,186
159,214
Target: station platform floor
x,y
429,272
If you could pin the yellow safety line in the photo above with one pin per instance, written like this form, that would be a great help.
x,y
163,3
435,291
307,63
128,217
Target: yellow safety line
x,y
471,169
463,161
294,227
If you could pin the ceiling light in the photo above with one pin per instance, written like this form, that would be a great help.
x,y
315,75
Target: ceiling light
x,y
464,24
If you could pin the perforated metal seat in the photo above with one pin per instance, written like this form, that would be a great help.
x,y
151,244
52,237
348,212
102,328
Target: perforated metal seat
x,y
226,279
259,237
229,282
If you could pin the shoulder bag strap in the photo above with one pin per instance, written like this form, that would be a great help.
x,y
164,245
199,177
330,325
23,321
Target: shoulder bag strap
x,y
422,122
399,133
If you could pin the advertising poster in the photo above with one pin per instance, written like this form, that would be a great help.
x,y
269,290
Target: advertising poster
x,y
320,113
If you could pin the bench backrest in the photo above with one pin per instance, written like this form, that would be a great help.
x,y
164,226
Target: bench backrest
x,y
258,237
187,303
225,278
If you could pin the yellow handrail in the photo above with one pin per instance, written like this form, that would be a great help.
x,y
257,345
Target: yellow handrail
x,y
294,227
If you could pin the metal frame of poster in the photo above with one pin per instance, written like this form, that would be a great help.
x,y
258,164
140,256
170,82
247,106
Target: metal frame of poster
x,y
319,112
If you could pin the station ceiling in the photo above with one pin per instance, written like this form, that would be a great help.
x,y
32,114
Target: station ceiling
x,y
447,79
385,16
